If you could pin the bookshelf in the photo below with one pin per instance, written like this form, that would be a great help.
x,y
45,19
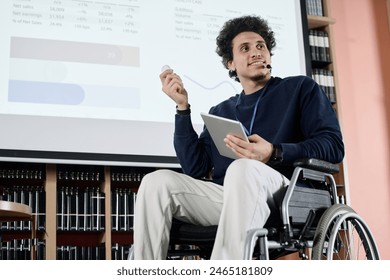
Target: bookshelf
x,y
86,212
324,72
81,211
324,69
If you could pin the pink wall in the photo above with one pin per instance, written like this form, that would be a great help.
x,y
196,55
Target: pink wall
x,y
362,52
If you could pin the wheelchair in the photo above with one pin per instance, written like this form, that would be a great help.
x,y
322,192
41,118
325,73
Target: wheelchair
x,y
312,223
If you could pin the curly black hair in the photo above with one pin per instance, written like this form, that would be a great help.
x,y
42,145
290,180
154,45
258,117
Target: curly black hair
x,y
242,24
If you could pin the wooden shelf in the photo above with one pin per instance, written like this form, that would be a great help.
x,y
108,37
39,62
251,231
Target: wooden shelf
x,y
318,22
12,211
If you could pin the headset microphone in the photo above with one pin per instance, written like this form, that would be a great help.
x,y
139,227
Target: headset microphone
x,y
268,66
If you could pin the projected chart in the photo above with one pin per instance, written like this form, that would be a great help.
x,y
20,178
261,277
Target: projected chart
x,y
90,55
42,69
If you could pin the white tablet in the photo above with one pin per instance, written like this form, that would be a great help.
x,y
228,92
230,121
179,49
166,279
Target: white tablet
x,y
219,127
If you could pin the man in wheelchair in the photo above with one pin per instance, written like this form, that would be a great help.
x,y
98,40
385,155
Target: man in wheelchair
x,y
285,118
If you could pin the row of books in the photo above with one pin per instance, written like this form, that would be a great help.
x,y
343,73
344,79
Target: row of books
x,y
122,209
79,175
80,209
120,252
21,173
83,209
71,172
21,249
81,252
319,45
80,172
325,79
314,8
33,196
77,208
133,175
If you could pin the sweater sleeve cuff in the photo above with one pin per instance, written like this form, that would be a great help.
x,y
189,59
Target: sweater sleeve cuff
x,y
183,125
291,152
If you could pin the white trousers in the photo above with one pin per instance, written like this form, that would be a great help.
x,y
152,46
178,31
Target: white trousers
x,y
250,192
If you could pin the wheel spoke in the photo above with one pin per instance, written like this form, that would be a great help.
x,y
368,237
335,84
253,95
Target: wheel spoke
x,y
341,234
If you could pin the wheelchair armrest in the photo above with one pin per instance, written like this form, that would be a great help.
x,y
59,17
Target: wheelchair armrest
x,y
317,164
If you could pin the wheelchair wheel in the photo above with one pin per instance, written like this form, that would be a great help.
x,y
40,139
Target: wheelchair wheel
x,y
342,234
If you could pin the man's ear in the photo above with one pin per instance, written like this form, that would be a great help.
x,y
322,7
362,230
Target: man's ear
x,y
231,66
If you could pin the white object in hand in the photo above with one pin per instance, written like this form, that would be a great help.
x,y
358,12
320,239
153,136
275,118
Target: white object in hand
x,y
165,67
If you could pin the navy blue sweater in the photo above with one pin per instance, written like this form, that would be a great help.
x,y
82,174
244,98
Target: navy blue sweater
x,y
293,112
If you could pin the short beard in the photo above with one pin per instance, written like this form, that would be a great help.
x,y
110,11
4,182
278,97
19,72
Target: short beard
x,y
259,78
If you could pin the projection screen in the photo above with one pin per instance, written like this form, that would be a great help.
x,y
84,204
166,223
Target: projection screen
x,y
79,79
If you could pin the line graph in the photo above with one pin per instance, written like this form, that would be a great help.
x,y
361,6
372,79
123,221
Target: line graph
x,y
214,87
